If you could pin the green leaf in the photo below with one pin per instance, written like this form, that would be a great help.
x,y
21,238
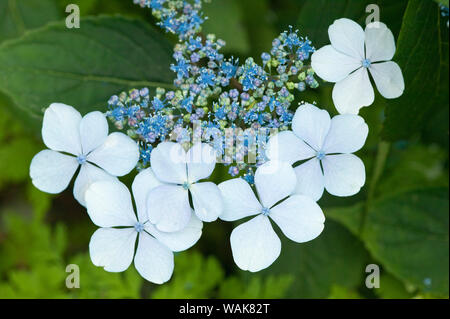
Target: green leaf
x,y
42,281
408,233
336,257
349,216
420,54
30,242
437,127
195,277
93,7
15,158
414,167
226,21
256,287
16,150
83,67
443,2
259,25
392,288
338,292
17,16
97,283
40,202
86,6
32,254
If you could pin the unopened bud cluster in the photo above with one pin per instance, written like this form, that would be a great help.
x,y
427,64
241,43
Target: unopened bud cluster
x,y
217,91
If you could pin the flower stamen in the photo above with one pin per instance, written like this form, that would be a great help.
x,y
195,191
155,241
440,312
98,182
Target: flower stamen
x,y
186,185
320,155
139,227
81,159
265,211
366,63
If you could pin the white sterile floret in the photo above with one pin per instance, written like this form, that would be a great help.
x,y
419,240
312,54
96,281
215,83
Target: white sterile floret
x,y
109,206
180,171
254,244
74,141
327,145
354,53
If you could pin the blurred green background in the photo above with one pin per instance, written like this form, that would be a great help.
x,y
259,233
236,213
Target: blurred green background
x,y
398,221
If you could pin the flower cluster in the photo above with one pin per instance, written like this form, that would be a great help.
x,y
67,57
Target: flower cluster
x,y
165,221
220,111
217,91
179,17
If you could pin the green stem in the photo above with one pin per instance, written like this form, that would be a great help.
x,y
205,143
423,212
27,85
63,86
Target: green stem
x,y
380,162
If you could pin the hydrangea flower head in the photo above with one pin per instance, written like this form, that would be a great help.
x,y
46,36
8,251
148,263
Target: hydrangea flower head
x,y
327,145
254,244
75,141
109,206
352,55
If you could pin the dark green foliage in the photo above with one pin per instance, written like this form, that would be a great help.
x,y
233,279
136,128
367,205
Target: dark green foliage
x,y
82,67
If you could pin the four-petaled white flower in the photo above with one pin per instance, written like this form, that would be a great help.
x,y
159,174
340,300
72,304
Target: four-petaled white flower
x,y
86,139
327,144
169,207
254,244
109,205
352,53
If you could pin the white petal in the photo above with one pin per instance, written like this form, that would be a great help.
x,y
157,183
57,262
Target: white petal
x,y
347,37
332,65
255,245
109,204
388,78
274,181
201,160
61,129
311,124
344,174
93,131
299,217
118,155
353,93
144,182
113,249
168,208
207,200
88,175
51,171
287,147
153,260
310,181
239,200
380,43
348,133
168,162
180,240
